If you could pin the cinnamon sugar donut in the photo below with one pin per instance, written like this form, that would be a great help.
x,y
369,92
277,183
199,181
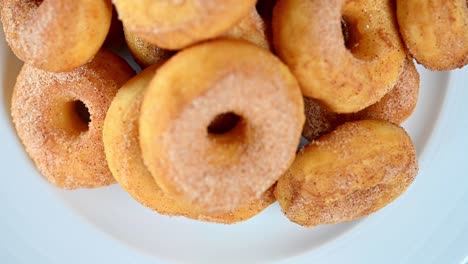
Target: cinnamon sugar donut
x,y
345,76
435,32
251,28
56,35
59,118
218,135
395,107
177,24
121,142
352,172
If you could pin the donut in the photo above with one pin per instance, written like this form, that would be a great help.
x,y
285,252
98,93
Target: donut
x,y
438,35
145,53
41,33
120,136
218,135
59,117
347,75
352,172
395,107
252,28
175,25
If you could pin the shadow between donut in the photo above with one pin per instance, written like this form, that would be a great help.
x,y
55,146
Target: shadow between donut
x,y
8,83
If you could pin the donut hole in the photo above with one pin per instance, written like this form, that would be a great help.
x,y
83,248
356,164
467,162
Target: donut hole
x,y
345,32
82,112
227,134
224,123
73,117
351,35
357,37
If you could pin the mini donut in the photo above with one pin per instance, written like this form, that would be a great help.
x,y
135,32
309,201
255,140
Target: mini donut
x,y
218,135
252,28
352,172
59,119
395,107
175,25
145,53
41,33
437,36
345,76
121,144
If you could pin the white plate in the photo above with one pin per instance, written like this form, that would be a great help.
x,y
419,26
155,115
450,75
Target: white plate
x,y
41,222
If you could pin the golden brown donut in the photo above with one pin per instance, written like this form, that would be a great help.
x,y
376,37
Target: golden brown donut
x,y
345,76
252,28
395,107
145,53
121,142
435,32
56,35
177,24
218,135
352,172
59,119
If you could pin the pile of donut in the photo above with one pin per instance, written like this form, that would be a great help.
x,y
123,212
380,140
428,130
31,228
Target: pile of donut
x,y
210,128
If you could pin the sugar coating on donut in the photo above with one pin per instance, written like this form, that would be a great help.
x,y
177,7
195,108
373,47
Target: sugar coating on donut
x,y
145,53
349,173
217,172
438,36
39,32
344,77
124,158
66,150
175,25
399,103
395,107
252,28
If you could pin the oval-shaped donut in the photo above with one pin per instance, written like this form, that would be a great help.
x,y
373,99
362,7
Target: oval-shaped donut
x,y
352,172
121,142
59,119
345,76
435,32
218,135
395,107
177,24
56,35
